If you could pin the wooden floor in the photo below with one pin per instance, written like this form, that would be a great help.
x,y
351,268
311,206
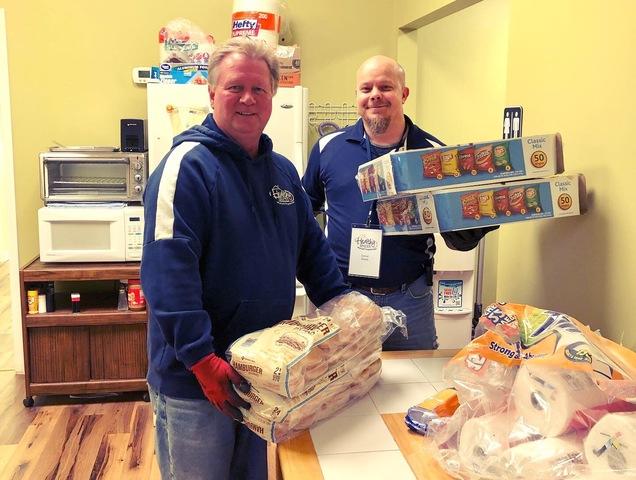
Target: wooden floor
x,y
69,438
74,438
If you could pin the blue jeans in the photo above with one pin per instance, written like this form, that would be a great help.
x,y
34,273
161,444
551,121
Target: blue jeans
x,y
194,441
415,300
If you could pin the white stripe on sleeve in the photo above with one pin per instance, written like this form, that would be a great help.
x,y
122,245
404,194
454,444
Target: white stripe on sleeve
x,y
164,220
323,141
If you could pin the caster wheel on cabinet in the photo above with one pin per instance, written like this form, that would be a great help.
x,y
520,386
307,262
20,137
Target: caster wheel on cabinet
x,y
28,402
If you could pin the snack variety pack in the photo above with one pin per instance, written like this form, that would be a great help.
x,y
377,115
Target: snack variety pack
x,y
305,369
541,396
429,169
493,204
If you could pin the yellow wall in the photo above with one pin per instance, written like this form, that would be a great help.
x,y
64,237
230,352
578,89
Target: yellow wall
x,y
70,69
458,79
572,67
570,64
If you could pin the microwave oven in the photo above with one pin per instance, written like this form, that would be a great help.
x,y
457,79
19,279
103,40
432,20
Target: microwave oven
x,y
90,233
92,176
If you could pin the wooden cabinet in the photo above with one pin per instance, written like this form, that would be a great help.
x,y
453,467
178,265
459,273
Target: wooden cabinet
x,y
98,349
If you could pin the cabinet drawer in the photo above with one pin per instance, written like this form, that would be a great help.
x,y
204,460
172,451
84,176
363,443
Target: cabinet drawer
x,y
118,351
59,354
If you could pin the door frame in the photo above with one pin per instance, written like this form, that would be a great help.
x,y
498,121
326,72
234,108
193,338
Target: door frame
x,y
6,167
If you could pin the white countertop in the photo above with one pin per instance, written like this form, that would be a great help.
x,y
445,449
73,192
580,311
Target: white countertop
x,y
356,443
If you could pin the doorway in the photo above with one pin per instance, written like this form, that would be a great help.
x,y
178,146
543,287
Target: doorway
x,y
10,338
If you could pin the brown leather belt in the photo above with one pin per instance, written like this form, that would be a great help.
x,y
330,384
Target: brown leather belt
x,y
377,290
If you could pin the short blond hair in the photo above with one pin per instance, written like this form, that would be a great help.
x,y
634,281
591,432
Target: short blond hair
x,y
250,47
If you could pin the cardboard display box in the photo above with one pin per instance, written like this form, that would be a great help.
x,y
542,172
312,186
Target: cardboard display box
x,y
413,171
289,60
485,205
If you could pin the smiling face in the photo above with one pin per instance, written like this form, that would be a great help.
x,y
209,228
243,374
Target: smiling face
x,y
380,95
242,99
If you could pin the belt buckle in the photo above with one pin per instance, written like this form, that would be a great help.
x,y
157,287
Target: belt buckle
x,y
381,291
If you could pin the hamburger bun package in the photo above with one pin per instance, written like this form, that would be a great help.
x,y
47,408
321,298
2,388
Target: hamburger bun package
x,y
296,354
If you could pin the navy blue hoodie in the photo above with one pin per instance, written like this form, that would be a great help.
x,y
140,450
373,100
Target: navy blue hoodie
x,y
225,238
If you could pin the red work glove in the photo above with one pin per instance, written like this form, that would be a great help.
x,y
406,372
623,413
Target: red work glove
x,y
216,377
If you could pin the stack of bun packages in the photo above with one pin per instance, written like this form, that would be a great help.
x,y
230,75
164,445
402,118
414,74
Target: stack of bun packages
x,y
541,397
305,369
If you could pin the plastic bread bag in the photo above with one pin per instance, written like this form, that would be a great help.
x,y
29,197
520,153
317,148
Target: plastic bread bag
x,y
276,418
570,412
182,41
284,358
354,312
295,354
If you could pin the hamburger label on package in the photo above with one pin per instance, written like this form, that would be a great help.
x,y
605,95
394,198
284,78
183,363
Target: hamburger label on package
x,y
414,171
484,205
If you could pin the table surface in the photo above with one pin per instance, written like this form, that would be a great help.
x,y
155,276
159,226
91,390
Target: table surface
x,y
369,439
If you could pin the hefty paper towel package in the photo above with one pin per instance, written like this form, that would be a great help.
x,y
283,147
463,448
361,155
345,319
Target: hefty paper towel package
x,y
484,205
413,171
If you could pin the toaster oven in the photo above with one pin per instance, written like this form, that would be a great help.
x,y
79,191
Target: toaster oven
x,y
93,176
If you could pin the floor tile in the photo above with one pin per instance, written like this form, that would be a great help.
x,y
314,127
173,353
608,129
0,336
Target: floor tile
x,y
363,406
401,371
441,385
399,397
431,367
367,466
350,434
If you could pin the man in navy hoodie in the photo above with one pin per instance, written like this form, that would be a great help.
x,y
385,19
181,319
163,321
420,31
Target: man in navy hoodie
x,y
228,228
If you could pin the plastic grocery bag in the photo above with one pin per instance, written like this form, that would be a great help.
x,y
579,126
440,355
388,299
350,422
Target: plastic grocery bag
x,y
182,41
541,397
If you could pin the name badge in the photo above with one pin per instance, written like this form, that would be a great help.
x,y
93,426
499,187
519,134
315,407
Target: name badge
x,y
366,248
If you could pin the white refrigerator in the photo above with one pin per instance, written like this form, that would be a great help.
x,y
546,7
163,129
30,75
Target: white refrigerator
x,y
174,108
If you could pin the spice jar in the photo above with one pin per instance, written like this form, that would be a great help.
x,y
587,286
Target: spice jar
x,y
136,299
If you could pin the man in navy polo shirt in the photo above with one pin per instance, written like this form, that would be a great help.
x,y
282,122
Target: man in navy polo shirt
x,y
406,262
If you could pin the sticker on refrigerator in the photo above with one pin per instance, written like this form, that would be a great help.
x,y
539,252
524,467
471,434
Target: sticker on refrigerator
x,y
450,294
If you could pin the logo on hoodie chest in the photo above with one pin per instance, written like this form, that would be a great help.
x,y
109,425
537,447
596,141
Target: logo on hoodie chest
x,y
282,197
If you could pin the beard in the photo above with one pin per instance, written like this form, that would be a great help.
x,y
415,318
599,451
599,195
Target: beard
x,y
377,125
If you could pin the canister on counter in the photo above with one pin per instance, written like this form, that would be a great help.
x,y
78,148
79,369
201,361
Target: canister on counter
x,y
32,300
42,302
75,302
50,297
122,297
136,299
